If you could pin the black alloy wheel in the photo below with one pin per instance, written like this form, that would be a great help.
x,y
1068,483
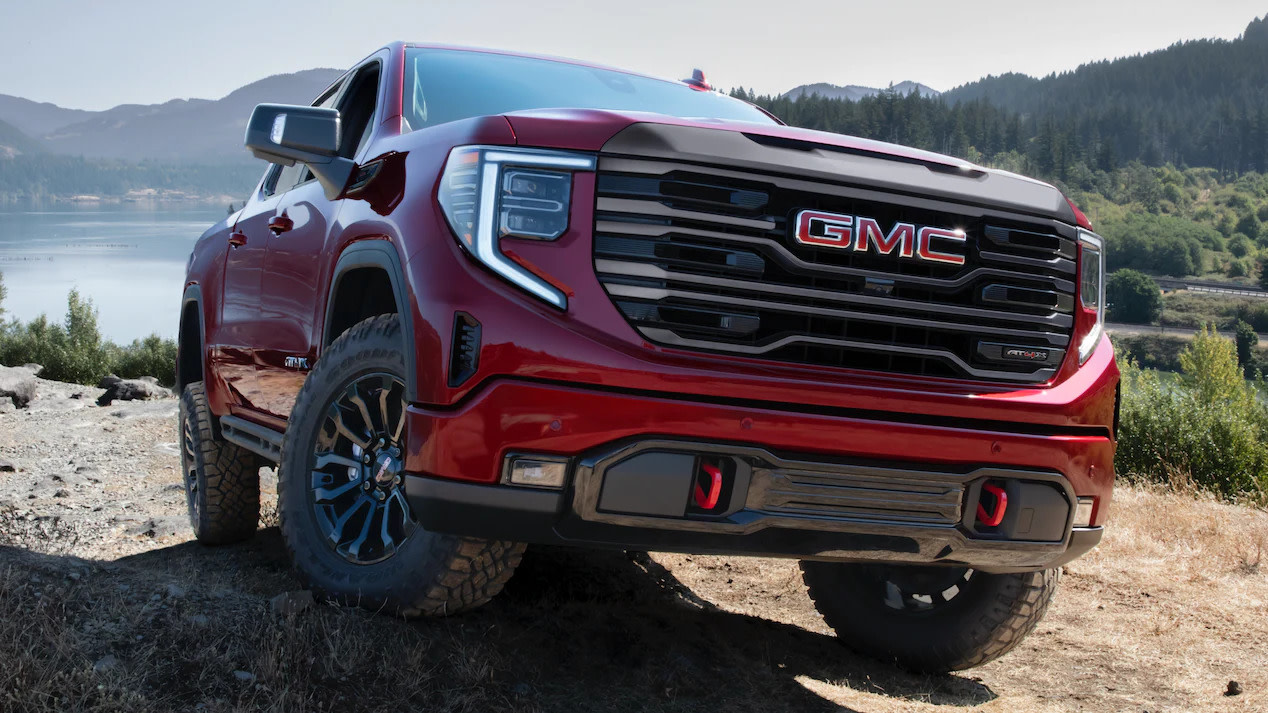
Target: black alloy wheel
x,y
356,482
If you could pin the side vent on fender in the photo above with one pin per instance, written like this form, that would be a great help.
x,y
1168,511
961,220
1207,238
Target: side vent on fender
x,y
464,356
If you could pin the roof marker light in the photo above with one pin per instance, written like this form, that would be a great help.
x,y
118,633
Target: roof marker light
x,y
698,81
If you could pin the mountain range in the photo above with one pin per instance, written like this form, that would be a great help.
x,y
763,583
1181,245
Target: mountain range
x,y
210,131
180,130
1196,103
851,92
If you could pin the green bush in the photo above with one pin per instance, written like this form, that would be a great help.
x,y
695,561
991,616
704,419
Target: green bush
x,y
1156,243
75,352
152,356
1247,340
1240,245
1207,428
1256,314
72,351
1133,297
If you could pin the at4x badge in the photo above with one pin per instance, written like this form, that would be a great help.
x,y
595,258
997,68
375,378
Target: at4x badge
x,y
856,232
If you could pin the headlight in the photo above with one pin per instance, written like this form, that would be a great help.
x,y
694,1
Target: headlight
x,y
491,192
1091,288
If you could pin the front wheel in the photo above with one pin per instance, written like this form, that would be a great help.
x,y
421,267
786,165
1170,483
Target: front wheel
x,y
343,511
929,619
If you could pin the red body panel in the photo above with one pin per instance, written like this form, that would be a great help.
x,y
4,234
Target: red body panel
x,y
567,382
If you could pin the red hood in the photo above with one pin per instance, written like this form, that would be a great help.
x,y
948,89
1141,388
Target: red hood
x,y
589,129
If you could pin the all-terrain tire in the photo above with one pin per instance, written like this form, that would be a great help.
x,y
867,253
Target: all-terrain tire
x,y
222,480
429,573
985,619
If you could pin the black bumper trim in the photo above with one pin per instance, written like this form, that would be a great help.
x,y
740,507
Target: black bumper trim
x,y
540,517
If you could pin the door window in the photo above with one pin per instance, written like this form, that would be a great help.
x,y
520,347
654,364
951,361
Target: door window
x,y
356,110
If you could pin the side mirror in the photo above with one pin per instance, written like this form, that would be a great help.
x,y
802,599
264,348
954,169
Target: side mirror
x,y
283,134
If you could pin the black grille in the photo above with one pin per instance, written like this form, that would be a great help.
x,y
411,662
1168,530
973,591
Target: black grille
x,y
703,259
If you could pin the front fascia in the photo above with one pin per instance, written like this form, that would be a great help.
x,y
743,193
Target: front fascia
x,y
592,344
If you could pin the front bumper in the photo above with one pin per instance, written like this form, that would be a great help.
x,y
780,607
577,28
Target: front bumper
x,y
543,517
926,473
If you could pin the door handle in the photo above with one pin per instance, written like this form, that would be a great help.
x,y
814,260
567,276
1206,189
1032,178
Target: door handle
x,y
280,224
237,239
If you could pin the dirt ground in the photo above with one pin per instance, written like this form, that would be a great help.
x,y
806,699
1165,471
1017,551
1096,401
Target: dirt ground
x,y
109,606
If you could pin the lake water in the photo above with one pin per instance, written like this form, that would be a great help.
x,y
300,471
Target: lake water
x,y
128,258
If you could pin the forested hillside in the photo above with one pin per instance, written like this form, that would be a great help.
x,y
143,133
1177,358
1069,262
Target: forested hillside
x,y
1167,152
44,175
1197,103
1200,103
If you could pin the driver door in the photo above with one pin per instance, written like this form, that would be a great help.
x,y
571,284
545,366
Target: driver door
x,y
241,326
300,258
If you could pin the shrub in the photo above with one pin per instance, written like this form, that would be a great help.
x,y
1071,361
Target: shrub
x,y
1256,314
1240,245
74,351
1208,427
1133,297
1250,226
1247,340
1157,243
3,293
152,356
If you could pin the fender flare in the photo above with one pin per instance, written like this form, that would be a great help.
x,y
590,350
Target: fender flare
x,y
379,254
193,293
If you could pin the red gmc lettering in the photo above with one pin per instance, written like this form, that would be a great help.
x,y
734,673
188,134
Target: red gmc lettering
x,y
925,249
902,234
832,230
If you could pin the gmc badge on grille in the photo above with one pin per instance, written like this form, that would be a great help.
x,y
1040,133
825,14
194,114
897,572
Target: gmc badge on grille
x,y
862,234
1025,354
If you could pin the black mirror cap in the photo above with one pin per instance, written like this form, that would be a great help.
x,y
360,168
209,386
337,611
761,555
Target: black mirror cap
x,y
285,134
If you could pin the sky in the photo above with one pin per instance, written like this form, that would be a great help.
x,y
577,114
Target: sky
x,y
87,54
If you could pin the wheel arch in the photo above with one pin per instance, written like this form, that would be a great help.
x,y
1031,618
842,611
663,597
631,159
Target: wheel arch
x,y
367,274
191,340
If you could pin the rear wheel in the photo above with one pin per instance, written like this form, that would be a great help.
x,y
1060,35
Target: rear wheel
x,y
932,619
222,480
344,514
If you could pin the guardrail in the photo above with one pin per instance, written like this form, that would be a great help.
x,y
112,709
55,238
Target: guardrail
x,y
1223,288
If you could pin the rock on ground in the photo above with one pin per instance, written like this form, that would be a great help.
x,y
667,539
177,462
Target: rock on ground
x,y
18,383
142,389
291,603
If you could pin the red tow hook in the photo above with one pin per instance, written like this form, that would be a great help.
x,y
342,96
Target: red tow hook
x,y
709,501
1001,504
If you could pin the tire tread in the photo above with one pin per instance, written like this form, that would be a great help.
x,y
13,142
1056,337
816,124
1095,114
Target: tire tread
x,y
230,477
992,629
454,574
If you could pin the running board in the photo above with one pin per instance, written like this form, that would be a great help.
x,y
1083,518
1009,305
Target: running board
x,y
258,439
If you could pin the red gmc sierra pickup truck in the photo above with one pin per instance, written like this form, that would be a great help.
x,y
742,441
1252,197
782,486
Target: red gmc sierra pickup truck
x,y
481,299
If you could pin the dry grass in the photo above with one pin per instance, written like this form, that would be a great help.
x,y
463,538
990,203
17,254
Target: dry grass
x,y
1171,607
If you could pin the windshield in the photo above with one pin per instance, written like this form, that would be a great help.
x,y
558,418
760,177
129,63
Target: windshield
x,y
448,85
